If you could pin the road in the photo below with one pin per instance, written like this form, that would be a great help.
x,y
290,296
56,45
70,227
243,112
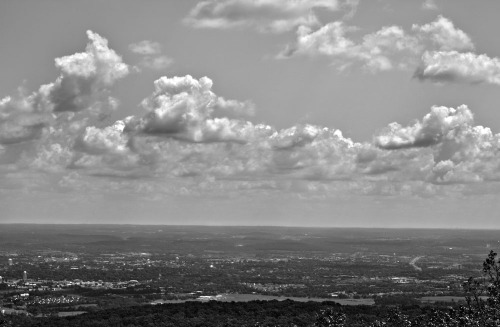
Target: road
x,y
413,263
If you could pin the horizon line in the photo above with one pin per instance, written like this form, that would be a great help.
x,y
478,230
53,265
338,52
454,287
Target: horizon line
x,y
251,226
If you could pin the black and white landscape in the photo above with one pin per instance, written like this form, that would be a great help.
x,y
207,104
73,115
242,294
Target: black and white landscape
x,y
238,150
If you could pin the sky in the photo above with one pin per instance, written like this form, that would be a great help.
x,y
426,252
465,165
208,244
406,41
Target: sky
x,y
335,113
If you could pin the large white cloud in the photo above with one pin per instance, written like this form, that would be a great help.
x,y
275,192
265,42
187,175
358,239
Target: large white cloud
x,y
187,109
83,85
430,131
437,51
191,140
108,152
462,152
85,76
453,66
391,47
107,140
313,153
442,35
444,148
263,15
296,136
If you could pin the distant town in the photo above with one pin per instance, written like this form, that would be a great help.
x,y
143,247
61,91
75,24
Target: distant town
x,y
89,272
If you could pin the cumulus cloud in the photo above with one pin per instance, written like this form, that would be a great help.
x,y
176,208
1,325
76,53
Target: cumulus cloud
x,y
447,172
186,134
461,151
437,51
85,76
453,66
389,48
186,108
442,36
185,144
83,85
19,120
194,140
313,153
296,136
104,150
430,131
21,128
444,148
263,15
107,140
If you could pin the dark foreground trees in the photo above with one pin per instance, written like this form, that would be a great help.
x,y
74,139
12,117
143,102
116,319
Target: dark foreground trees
x,y
482,308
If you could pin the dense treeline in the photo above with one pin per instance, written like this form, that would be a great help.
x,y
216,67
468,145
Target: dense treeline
x,y
255,313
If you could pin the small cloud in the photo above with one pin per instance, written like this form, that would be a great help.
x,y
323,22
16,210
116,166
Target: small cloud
x,y
429,5
21,128
156,63
152,57
351,6
145,47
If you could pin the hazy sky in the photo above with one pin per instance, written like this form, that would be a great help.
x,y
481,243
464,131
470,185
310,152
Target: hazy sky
x,y
251,112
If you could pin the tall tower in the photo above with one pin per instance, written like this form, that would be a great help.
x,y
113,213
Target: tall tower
x,y
25,276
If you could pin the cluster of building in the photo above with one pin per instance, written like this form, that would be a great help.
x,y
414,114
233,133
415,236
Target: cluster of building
x,y
269,287
333,275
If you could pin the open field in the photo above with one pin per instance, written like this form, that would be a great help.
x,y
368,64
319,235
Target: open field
x,y
451,299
